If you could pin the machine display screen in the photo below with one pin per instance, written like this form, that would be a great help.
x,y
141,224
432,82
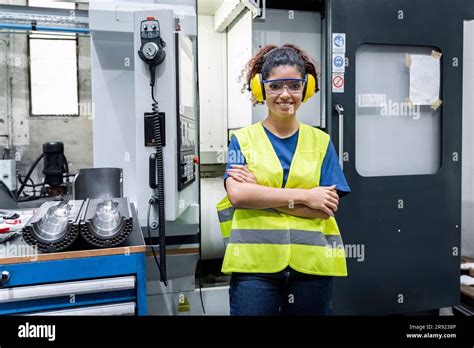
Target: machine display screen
x,y
186,97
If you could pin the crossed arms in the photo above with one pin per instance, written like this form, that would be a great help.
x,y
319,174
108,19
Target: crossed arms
x,y
244,192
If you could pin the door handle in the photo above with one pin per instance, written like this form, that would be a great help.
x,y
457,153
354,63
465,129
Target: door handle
x,y
5,278
340,111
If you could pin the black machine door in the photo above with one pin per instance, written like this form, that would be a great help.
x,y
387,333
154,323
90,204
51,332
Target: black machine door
x,y
394,112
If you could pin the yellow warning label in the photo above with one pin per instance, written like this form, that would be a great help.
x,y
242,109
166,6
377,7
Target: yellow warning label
x,y
183,304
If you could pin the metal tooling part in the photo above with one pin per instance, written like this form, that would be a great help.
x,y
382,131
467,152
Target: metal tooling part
x,y
106,222
51,232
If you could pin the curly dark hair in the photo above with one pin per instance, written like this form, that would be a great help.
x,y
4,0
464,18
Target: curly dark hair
x,y
271,56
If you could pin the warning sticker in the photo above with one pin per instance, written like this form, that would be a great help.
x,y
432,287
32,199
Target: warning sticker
x,y
338,62
339,42
183,304
338,82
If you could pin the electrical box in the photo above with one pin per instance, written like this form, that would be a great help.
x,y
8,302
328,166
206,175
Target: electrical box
x,y
8,173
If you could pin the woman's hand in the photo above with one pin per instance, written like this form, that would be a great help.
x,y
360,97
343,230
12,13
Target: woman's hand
x,y
322,198
241,173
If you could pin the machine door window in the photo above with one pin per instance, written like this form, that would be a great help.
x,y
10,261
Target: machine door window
x,y
398,110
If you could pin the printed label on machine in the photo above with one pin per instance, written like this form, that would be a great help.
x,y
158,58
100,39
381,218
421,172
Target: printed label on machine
x,y
338,62
339,42
338,82
371,100
183,304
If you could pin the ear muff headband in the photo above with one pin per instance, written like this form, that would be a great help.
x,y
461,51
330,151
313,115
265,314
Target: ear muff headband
x,y
258,89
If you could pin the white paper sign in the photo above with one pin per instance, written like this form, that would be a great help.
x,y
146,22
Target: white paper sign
x,y
424,79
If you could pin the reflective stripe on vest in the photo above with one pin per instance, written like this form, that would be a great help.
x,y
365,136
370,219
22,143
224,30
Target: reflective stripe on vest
x,y
225,213
284,237
267,241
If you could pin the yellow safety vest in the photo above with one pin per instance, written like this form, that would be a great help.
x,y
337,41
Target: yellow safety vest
x,y
267,241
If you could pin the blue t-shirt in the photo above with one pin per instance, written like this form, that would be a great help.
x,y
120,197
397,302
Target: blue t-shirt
x,y
331,173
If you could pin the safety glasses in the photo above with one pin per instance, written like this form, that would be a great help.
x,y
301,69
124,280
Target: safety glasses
x,y
294,86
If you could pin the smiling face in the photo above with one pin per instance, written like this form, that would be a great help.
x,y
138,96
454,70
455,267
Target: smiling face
x,y
283,105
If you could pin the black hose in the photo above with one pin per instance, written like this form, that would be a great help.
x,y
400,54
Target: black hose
x,y
30,180
199,278
28,174
33,186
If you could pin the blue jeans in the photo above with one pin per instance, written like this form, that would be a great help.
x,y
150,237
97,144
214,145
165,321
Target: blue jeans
x,y
284,293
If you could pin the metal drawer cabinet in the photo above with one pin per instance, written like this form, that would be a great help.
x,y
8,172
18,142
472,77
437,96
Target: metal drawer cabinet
x,y
103,285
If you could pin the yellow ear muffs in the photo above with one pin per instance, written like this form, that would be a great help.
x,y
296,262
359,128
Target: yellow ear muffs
x,y
310,87
257,88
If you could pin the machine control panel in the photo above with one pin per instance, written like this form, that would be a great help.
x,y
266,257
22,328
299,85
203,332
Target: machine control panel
x,y
187,170
185,111
151,50
186,153
150,29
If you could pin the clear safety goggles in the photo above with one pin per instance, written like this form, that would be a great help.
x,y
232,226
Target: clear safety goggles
x,y
276,86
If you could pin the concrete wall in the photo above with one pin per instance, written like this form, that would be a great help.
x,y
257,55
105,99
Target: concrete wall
x,y
30,132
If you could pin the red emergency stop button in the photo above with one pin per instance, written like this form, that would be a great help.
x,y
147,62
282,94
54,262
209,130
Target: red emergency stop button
x,y
196,159
150,18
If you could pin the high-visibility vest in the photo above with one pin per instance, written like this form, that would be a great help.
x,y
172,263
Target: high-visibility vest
x,y
267,241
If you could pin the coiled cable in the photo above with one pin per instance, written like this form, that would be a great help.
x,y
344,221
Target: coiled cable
x,y
159,195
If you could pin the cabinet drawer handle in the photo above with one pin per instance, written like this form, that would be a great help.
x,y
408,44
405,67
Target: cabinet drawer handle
x,y
5,278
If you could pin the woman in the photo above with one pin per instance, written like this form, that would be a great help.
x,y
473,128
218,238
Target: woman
x,y
283,184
